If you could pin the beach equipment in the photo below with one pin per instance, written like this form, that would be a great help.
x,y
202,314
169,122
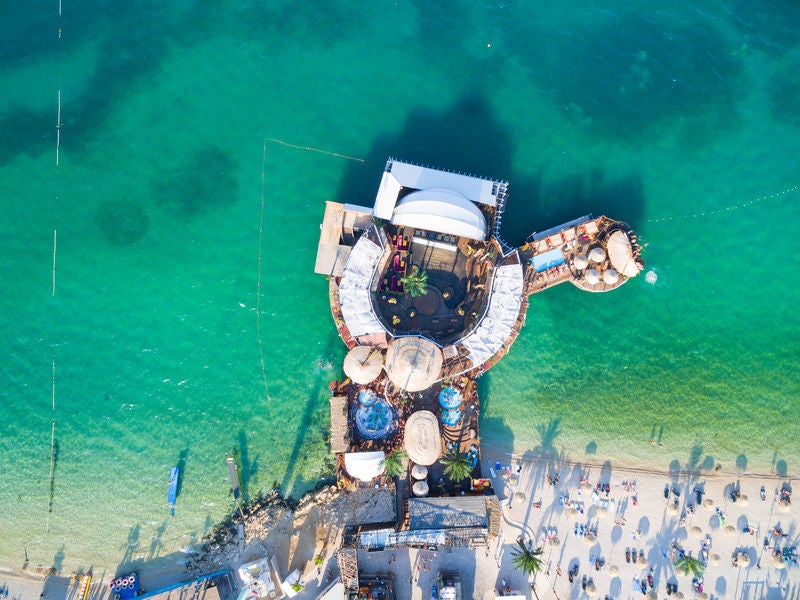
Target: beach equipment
x,y
366,397
419,472
702,596
420,488
610,276
572,511
580,262
678,595
696,532
554,541
364,466
730,530
172,493
591,589
779,562
422,440
708,504
620,254
641,561
672,508
592,277
450,398
714,560
743,500
363,364
744,560
597,254
586,486
784,505
413,363
614,570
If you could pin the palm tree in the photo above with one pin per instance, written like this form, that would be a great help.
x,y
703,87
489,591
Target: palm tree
x,y
416,282
526,558
690,565
457,465
395,463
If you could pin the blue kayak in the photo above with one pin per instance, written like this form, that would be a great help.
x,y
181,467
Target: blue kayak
x,y
173,488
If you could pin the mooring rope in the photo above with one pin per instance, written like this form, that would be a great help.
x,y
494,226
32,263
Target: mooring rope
x,y
309,148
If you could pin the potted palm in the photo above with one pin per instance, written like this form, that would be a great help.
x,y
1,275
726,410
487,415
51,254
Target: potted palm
x,y
456,465
416,282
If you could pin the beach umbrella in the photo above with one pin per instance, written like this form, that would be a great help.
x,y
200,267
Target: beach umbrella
x,y
554,541
592,276
620,254
590,539
586,486
730,530
520,496
651,595
744,560
572,511
422,440
641,561
708,504
784,505
702,596
673,508
580,262
696,532
597,254
419,472
420,488
678,595
613,569
413,363
713,560
743,500
610,276
591,589
602,511
779,562
363,364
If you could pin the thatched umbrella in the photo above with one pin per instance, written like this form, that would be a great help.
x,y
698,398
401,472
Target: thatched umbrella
x,y
779,562
422,439
610,276
413,363
591,589
419,472
702,596
696,532
743,500
708,504
678,596
673,508
641,561
613,569
519,496
730,530
714,560
580,262
592,276
744,560
554,541
420,488
597,254
571,511
586,486
784,505
363,364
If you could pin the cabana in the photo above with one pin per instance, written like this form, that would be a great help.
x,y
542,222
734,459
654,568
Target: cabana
x,y
364,466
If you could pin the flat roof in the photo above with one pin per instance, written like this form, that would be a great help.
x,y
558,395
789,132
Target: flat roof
x,y
443,513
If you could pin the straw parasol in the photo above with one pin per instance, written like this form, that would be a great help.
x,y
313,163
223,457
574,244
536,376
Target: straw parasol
x,y
744,560
519,496
413,363
779,562
678,596
580,262
714,560
597,254
696,532
743,500
420,488
613,569
702,596
422,440
572,511
363,364
610,276
708,504
591,589
784,505
554,541
730,530
642,561
651,595
592,276
419,472
620,253
673,509
586,486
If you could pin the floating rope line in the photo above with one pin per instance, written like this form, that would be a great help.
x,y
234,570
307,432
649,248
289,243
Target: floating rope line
x,y
355,158
58,118
52,447
258,286
54,263
718,211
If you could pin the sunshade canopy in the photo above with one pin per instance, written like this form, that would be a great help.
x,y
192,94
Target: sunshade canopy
x,y
422,439
620,253
364,465
597,254
443,211
413,363
363,364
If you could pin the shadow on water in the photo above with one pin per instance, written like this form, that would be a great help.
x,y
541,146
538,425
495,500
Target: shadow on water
x,y
156,542
783,90
768,25
468,137
495,427
248,469
54,460
181,464
122,222
131,546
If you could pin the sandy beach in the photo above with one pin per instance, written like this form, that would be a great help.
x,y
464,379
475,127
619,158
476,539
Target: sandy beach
x,y
615,539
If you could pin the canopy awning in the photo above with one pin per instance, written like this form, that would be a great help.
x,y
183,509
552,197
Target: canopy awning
x,y
364,465
442,211
413,363
620,253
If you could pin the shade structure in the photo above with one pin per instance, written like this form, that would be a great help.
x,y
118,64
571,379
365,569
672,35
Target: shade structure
x,y
641,561
620,253
778,561
364,465
696,532
784,505
730,530
610,276
519,496
363,364
419,472
554,541
702,596
580,262
597,254
420,488
413,363
451,418
714,560
572,511
592,277
678,596
744,560
613,569
673,509
591,589
422,440
708,503
743,500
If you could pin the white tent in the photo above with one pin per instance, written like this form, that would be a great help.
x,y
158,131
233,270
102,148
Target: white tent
x,y
592,277
443,211
364,465
610,276
597,254
581,262
620,253
354,289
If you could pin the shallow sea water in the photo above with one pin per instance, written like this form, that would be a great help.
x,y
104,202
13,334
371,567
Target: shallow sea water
x,y
680,122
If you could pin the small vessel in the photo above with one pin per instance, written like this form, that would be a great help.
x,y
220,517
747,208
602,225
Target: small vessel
x,y
173,489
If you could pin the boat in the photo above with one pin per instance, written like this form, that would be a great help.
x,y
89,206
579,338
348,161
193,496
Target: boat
x,y
173,489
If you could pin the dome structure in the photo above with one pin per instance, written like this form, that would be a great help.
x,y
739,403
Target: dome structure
x,y
413,363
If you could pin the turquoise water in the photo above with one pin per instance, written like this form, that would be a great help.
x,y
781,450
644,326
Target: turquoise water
x,y
156,200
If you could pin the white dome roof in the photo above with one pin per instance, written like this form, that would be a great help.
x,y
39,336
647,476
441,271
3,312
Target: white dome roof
x,y
442,211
